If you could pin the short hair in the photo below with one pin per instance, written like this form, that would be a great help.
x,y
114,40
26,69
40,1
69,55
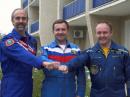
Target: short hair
x,y
59,21
12,15
105,22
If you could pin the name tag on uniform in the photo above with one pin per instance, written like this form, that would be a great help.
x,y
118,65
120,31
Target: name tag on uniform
x,y
97,57
116,56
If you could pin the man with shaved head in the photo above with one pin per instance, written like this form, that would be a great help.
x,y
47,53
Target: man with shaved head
x,y
108,63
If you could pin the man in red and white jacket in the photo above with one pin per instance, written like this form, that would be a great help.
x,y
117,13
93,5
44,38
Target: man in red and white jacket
x,y
56,83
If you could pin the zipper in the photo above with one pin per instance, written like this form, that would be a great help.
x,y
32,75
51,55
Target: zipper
x,y
106,59
64,85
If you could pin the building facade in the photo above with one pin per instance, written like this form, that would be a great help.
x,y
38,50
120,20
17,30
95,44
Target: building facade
x,y
82,16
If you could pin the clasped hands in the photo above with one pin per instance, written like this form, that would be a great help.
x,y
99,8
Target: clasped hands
x,y
56,66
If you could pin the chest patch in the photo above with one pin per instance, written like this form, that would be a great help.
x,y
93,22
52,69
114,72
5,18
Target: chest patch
x,y
74,52
94,69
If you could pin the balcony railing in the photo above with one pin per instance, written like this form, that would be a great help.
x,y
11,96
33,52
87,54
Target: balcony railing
x,y
74,8
25,3
35,26
97,3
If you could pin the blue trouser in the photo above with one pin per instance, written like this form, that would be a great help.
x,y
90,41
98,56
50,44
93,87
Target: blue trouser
x,y
16,87
58,87
107,92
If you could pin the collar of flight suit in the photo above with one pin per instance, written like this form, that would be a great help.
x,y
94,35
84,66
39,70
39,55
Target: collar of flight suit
x,y
18,36
97,46
55,44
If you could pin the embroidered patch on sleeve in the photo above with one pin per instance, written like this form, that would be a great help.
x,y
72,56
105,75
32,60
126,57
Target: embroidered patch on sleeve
x,y
9,42
73,52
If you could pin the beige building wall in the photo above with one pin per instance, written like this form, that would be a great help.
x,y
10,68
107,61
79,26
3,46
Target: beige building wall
x,y
83,43
34,14
47,15
126,32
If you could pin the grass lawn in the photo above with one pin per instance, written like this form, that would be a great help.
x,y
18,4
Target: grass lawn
x,y
37,81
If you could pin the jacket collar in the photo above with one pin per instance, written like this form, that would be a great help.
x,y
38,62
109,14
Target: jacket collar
x,y
18,36
55,44
97,46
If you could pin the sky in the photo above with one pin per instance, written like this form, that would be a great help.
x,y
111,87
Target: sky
x,y
6,8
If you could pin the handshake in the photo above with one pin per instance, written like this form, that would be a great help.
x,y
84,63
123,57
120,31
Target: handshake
x,y
56,66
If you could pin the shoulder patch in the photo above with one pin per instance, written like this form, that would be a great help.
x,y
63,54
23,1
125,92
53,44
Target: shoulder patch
x,y
74,52
9,42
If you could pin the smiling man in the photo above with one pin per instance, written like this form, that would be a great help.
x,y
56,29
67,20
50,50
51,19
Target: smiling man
x,y
56,83
17,56
108,63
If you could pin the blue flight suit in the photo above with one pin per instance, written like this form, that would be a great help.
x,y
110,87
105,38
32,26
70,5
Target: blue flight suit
x,y
17,62
108,75
56,83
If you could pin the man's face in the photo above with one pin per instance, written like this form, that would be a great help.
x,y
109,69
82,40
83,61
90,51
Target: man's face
x,y
60,31
103,34
20,20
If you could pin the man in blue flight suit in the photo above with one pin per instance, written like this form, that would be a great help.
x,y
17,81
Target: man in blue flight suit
x,y
109,65
56,83
17,56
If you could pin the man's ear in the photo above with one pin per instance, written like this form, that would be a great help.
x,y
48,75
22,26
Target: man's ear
x,y
12,22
